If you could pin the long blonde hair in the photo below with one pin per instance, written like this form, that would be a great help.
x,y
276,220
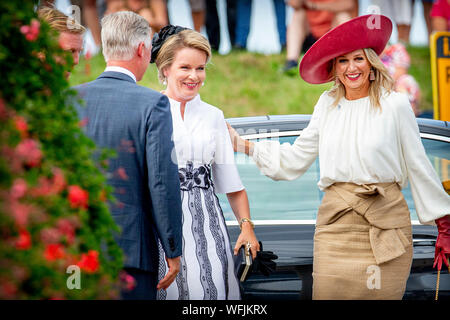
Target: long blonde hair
x,y
383,80
184,39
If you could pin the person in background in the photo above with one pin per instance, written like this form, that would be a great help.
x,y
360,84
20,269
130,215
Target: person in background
x,y
206,166
198,12
90,15
440,15
369,147
397,61
154,11
243,15
213,25
70,33
427,5
231,20
311,20
399,11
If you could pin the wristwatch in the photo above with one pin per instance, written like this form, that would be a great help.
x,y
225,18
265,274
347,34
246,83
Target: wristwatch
x,y
246,220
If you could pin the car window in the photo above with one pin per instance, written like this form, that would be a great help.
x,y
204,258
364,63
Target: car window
x,y
300,199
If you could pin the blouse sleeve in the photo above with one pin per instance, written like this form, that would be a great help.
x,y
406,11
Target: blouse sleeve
x,y
225,174
286,161
430,199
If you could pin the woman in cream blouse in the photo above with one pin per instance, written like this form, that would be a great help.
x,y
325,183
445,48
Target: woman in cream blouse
x,y
369,146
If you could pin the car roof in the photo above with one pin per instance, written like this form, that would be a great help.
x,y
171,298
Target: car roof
x,y
295,122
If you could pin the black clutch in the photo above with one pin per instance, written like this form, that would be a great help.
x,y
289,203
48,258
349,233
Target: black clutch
x,y
263,262
243,263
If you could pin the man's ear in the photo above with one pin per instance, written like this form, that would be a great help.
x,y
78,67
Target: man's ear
x,y
140,49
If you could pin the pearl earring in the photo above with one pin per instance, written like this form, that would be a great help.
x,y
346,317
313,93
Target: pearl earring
x,y
165,82
371,75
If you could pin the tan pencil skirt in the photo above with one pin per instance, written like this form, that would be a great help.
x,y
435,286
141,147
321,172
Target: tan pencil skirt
x,y
362,243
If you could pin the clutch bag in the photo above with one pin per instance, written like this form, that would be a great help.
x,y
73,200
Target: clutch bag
x,y
243,263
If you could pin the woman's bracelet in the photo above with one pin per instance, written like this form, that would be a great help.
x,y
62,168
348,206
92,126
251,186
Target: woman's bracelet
x,y
246,220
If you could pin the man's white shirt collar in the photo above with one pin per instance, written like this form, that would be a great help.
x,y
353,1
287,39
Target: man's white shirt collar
x,y
121,70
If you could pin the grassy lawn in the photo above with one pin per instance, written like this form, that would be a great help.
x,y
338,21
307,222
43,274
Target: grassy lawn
x,y
247,84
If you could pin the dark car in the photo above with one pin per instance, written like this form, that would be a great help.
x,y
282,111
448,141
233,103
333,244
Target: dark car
x,y
284,214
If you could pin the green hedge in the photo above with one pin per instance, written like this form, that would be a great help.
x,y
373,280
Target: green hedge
x,y
53,195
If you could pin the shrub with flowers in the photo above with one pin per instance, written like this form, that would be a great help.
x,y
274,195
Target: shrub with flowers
x,y
53,210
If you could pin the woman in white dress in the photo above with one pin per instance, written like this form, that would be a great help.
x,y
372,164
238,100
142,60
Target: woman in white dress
x,y
206,165
369,146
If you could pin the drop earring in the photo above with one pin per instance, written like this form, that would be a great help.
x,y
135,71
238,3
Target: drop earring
x,y
372,75
165,82
337,81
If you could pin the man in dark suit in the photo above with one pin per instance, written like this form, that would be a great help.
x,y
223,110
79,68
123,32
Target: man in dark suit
x,y
137,123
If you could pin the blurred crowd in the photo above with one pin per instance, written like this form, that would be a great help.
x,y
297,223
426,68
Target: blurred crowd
x,y
310,20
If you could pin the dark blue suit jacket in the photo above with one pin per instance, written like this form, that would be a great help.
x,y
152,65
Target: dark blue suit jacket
x,y
137,123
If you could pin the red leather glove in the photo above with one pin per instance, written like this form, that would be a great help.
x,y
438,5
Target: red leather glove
x,y
442,252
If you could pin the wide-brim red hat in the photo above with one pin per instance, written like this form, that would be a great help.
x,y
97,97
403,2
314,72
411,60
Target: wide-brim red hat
x,y
369,31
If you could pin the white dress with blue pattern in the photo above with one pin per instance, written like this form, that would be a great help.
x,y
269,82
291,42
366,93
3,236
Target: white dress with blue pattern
x,y
206,165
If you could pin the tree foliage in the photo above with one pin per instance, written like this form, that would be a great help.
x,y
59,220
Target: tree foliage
x,y
53,193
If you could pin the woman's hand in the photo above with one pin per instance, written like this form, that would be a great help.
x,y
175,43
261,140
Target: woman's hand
x,y
239,144
247,236
239,204
236,140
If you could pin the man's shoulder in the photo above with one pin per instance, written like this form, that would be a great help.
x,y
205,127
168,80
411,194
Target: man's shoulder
x,y
149,91
124,89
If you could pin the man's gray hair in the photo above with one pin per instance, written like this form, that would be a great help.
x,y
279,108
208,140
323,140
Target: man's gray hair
x,y
121,34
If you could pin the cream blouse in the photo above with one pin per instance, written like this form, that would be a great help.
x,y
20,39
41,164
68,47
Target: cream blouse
x,y
360,144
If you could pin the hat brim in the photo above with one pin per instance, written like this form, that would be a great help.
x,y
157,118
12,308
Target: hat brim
x,y
369,31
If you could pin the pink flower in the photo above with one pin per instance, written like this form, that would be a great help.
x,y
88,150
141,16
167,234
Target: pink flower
x,y
54,252
19,188
67,227
78,197
8,289
21,125
28,151
89,262
23,242
127,281
83,122
3,110
50,235
31,31
122,173
20,213
47,187
59,181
